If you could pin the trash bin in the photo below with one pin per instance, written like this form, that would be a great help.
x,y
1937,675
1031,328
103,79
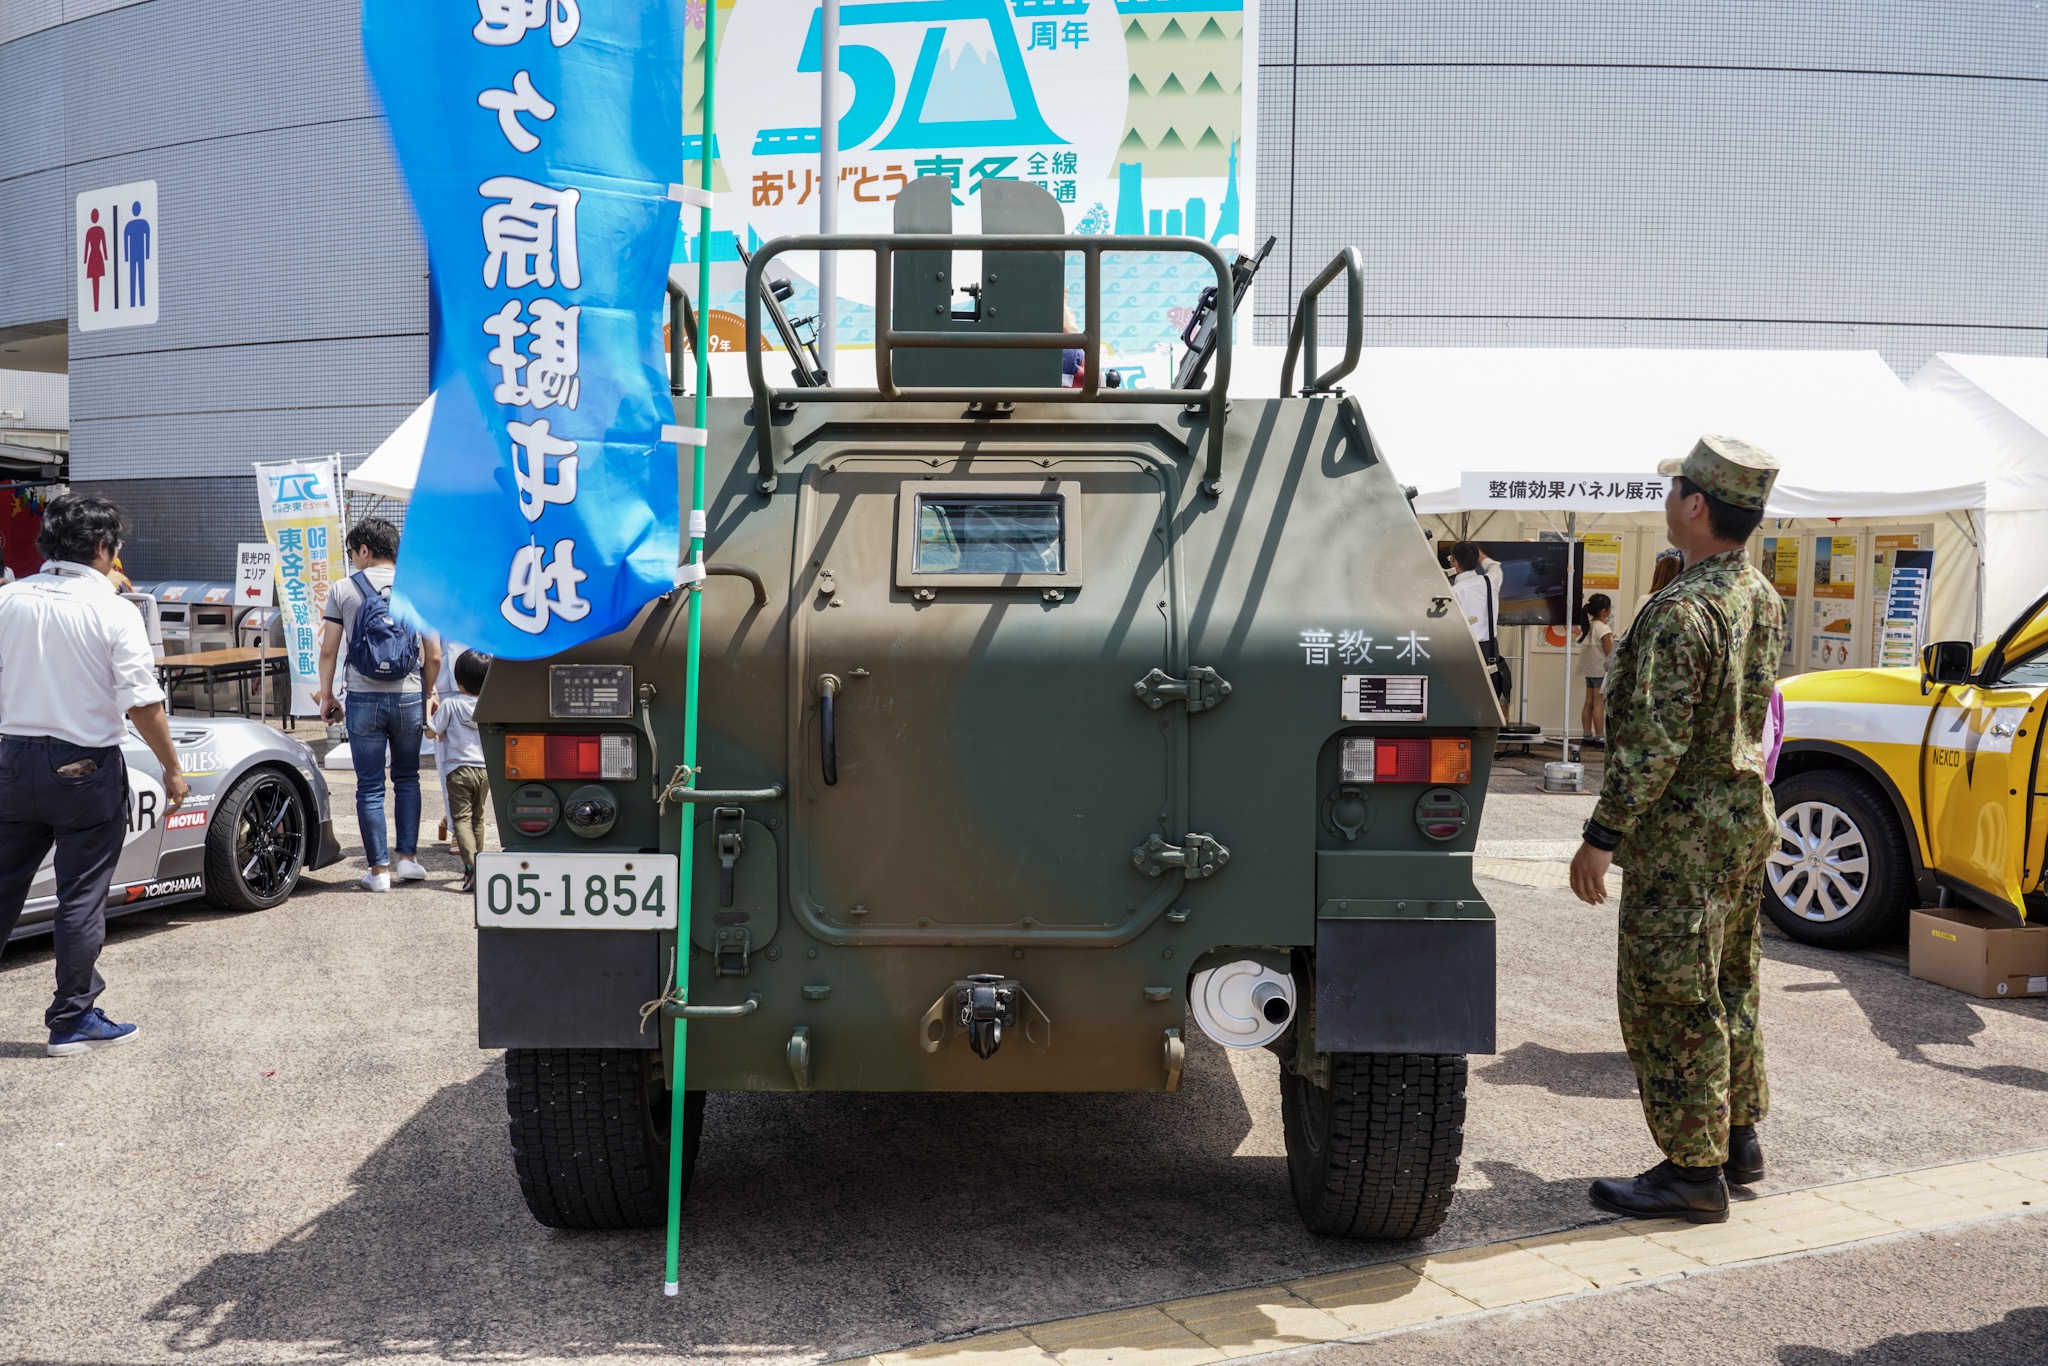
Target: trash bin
x,y
211,619
175,599
145,603
261,626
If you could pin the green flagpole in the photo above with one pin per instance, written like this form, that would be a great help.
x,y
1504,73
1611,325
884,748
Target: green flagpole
x,y
686,845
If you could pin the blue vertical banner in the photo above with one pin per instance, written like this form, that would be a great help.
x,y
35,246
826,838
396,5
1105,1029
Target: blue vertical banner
x,y
538,139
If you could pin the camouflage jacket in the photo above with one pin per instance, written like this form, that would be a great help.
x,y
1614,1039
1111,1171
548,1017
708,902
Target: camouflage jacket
x,y
1687,694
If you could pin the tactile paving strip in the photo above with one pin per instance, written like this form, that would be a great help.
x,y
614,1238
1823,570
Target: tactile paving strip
x,y
1345,1306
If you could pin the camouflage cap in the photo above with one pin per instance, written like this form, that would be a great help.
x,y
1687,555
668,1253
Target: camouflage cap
x,y
1734,471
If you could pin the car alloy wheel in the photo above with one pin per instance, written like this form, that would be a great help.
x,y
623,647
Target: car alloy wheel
x,y
1821,867
269,837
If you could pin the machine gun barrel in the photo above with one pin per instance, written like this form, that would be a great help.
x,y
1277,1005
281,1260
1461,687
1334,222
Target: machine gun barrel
x,y
809,375
1200,334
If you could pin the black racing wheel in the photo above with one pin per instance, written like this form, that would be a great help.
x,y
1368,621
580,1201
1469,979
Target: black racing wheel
x,y
257,845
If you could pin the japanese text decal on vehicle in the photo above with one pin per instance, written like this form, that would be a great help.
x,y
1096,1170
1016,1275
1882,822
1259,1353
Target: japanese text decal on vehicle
x,y
538,138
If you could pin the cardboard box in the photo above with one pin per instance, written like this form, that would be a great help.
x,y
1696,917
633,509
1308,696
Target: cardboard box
x,y
1977,952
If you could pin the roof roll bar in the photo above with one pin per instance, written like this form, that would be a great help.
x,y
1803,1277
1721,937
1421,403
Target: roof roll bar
x,y
888,338
1303,334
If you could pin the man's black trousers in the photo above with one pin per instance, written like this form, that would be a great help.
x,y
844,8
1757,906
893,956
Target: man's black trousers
x,y
87,819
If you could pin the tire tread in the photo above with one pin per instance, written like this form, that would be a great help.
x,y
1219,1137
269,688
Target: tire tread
x,y
1391,1155
583,1155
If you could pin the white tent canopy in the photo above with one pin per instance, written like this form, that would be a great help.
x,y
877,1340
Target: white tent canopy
x,y
2003,400
1852,441
394,467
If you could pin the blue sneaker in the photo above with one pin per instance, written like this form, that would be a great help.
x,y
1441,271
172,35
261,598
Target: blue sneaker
x,y
94,1031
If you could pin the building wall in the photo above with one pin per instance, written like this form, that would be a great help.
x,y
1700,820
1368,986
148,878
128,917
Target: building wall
x,y
1744,173
1755,173
293,300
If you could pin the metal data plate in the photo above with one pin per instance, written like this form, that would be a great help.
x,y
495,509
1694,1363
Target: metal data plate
x,y
1386,697
576,891
585,691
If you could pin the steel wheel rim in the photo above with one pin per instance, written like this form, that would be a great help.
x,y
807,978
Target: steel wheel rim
x,y
1820,870
1314,1107
270,838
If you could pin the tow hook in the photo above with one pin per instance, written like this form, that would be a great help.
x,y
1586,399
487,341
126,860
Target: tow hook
x,y
986,1003
984,1006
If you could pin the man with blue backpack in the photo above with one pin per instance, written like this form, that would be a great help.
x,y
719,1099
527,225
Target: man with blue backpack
x,y
386,708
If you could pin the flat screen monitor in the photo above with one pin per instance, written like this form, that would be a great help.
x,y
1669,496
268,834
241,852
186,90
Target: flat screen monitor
x,y
1533,584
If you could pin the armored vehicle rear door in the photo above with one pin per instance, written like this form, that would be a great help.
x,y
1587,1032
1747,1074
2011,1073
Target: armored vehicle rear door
x,y
980,621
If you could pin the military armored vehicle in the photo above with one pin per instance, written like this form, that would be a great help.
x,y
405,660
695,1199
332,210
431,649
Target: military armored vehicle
x,y
1040,726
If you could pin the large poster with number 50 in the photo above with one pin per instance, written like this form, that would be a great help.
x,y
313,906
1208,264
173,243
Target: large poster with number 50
x,y
1136,115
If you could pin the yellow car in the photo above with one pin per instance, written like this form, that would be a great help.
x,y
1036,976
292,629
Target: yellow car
x,y
1910,787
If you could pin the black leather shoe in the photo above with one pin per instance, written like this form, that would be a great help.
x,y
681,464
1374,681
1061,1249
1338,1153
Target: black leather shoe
x,y
1745,1165
1667,1191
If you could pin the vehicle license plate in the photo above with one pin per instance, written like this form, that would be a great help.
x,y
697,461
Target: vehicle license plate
x,y
576,891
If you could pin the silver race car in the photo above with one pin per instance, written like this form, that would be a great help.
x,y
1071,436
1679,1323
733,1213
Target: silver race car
x,y
257,816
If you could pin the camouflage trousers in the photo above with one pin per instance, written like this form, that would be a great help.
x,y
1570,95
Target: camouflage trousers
x,y
1686,982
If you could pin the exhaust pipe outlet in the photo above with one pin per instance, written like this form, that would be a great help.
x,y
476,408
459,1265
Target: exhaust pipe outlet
x,y
1243,1004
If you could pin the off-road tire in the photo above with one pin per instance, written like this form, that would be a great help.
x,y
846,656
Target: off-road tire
x,y
275,841
1375,1155
590,1135
1880,914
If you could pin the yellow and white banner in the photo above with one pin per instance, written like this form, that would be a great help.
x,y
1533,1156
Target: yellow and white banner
x,y
301,502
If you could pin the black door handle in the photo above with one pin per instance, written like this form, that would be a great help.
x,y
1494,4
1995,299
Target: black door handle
x,y
828,729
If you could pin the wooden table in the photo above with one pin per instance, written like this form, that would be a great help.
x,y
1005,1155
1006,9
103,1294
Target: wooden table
x,y
214,667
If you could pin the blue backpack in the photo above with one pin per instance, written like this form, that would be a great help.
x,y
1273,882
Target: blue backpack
x,y
379,646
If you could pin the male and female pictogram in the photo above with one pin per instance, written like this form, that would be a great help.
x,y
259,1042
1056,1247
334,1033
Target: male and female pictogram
x,y
116,258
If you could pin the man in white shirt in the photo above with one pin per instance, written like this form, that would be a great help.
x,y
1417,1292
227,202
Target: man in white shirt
x,y
1495,575
1477,593
74,658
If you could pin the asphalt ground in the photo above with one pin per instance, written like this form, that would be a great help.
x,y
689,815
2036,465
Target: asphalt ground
x,y
303,1159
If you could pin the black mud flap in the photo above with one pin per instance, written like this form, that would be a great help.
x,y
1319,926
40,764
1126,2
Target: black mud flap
x,y
565,988
1404,986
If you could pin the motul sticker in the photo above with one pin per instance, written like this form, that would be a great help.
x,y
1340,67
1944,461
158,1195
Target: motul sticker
x,y
185,820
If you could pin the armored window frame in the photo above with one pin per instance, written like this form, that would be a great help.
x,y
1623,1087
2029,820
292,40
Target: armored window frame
x,y
913,493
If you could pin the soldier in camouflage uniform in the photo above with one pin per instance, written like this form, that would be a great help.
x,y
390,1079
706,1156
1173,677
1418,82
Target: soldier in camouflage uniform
x,y
1685,810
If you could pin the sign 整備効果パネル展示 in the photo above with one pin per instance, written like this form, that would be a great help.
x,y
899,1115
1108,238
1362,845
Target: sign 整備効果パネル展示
x,y
1562,491
539,142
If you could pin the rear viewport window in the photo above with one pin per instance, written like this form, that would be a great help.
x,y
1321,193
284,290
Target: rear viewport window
x,y
991,536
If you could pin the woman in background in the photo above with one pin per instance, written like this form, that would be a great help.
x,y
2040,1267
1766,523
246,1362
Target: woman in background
x,y
1597,631
1668,565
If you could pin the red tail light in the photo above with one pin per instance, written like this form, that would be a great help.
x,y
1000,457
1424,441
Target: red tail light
x,y
529,758
1405,760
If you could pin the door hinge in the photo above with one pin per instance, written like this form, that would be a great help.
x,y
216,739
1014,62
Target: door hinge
x,y
1201,856
1202,689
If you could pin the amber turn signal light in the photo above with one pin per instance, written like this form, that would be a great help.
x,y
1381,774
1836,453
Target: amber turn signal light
x,y
1450,759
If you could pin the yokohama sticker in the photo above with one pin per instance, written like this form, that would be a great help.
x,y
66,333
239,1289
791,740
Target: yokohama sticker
x,y
173,886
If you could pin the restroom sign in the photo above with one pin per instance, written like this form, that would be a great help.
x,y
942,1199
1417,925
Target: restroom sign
x,y
114,256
